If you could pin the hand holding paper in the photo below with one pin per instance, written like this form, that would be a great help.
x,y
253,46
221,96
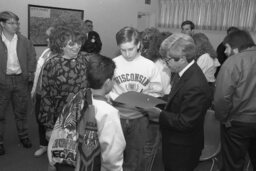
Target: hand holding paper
x,y
136,99
153,113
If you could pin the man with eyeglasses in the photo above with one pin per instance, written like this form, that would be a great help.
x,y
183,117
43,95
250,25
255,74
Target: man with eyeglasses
x,y
18,62
93,43
181,121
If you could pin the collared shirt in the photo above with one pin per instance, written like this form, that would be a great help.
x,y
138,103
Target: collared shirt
x,y
13,65
186,68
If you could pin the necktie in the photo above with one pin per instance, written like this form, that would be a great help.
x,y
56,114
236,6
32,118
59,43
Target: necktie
x,y
175,81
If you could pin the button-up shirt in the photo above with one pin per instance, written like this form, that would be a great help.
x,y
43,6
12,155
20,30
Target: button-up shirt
x,y
13,65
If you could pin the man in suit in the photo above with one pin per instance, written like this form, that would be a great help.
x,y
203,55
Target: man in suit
x,y
18,63
181,121
93,43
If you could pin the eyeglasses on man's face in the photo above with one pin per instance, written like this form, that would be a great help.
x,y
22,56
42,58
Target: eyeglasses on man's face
x,y
166,60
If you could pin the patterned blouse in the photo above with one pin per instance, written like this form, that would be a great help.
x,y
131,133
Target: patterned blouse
x,y
61,79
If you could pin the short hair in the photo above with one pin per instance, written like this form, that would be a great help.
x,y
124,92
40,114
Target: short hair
x,y
6,15
232,29
203,45
100,68
188,22
88,21
60,35
127,34
178,45
239,39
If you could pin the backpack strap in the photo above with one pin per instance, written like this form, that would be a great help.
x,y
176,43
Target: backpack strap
x,y
89,156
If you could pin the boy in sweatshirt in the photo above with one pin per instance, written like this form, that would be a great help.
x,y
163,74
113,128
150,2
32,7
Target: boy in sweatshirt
x,y
134,73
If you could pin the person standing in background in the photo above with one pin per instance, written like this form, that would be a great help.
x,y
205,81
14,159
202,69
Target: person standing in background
x,y
221,50
18,63
187,27
206,58
234,101
93,43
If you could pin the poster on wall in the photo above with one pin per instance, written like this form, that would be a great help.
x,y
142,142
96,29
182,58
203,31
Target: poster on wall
x,y
40,18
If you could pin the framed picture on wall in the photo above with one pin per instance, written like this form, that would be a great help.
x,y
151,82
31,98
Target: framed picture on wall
x,y
40,18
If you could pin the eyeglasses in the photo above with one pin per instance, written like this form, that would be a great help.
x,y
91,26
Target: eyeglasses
x,y
166,60
13,23
71,44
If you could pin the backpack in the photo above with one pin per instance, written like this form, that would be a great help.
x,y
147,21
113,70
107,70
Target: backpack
x,y
75,125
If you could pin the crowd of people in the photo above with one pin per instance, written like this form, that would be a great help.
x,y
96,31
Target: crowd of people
x,y
72,77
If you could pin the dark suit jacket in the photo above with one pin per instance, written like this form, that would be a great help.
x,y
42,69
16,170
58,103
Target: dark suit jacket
x,y
92,44
221,57
181,121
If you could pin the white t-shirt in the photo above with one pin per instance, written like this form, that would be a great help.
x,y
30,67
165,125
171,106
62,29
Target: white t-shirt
x,y
208,66
165,74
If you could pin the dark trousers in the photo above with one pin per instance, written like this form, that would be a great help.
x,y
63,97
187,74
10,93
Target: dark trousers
x,y
180,157
14,89
41,128
236,141
152,145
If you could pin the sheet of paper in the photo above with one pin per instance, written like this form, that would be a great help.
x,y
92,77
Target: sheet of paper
x,y
136,99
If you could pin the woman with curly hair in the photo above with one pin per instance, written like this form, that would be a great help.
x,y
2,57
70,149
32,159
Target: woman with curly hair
x,y
151,41
64,74
66,21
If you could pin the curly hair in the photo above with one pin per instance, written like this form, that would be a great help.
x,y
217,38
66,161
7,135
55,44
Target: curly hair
x,y
203,45
61,34
151,42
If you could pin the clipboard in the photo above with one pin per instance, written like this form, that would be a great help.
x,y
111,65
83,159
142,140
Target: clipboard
x,y
138,100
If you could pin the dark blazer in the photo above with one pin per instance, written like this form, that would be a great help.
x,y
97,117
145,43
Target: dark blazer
x,y
221,57
92,44
181,122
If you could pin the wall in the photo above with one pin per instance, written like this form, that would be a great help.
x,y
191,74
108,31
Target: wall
x,y
109,16
214,36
